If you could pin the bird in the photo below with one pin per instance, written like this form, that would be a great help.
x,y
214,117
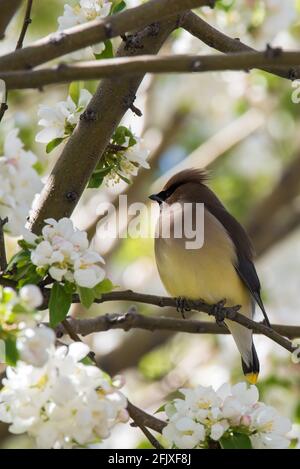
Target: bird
x,y
221,269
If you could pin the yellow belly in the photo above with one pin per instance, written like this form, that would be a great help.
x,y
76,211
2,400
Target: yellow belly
x,y
206,273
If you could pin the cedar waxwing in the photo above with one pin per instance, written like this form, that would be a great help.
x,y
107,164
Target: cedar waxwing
x,y
221,269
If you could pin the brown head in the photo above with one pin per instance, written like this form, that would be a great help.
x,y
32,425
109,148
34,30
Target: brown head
x,y
188,185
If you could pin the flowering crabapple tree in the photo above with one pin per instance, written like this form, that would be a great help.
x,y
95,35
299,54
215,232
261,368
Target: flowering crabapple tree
x,y
53,390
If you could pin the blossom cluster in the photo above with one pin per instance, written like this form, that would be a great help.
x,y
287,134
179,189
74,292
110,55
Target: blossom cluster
x,y
60,121
82,12
125,154
19,182
203,414
126,163
65,254
62,403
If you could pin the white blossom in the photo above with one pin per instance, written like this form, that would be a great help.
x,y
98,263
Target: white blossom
x,y
65,254
130,160
34,344
63,403
269,428
185,433
203,414
32,295
59,121
19,183
82,12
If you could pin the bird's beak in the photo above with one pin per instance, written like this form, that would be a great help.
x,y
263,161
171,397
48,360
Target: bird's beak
x,y
156,198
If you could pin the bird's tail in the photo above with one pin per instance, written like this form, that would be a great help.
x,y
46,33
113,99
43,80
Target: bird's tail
x,y
251,369
243,339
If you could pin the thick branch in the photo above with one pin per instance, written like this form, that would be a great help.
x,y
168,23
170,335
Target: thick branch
x,y
89,140
219,41
110,68
7,10
134,320
61,43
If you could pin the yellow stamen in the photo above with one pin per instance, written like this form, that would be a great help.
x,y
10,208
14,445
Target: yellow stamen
x,y
252,378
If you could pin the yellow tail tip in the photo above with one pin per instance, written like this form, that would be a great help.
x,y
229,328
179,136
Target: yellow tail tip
x,y
252,378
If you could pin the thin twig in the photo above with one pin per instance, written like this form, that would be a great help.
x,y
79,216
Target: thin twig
x,y
146,420
72,334
155,443
3,259
26,23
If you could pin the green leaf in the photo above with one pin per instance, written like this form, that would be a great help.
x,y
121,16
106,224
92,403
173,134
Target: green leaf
x,y
59,303
119,137
160,409
53,144
18,258
25,245
107,53
97,177
74,91
118,6
236,441
86,296
87,361
124,178
103,287
11,352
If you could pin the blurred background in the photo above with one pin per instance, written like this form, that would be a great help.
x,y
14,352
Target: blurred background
x,y
245,128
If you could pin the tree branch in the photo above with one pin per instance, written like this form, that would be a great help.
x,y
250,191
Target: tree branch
x,y
3,260
227,312
133,320
219,41
70,40
144,419
107,107
8,9
26,23
277,208
63,73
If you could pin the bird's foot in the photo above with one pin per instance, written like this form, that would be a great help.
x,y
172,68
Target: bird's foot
x,y
182,305
218,312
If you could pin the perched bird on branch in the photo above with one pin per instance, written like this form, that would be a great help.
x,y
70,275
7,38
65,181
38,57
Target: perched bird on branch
x,y
217,265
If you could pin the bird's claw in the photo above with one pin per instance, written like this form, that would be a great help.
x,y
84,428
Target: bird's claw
x,y
218,312
182,305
